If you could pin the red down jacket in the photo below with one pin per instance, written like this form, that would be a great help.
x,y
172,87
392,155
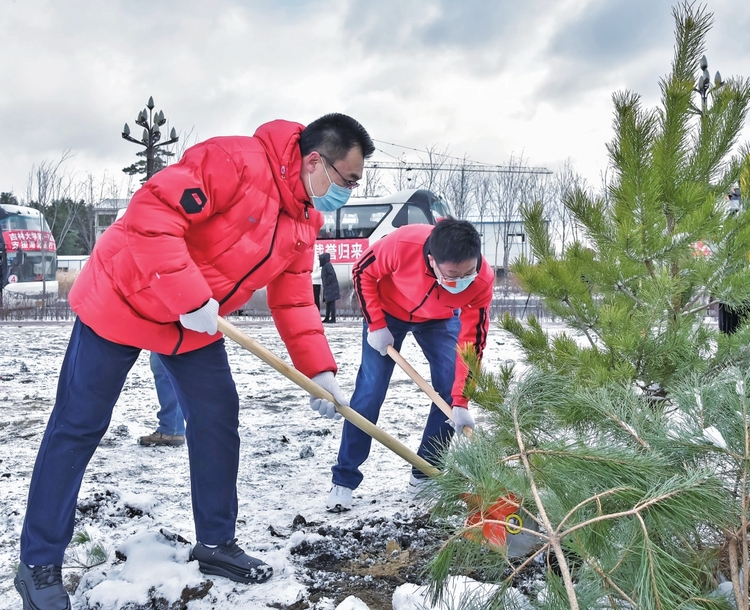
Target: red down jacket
x,y
231,217
394,275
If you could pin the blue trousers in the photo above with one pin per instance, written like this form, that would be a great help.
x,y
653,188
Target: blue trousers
x,y
91,378
438,340
170,417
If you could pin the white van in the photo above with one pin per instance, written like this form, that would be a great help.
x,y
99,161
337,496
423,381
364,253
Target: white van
x,y
347,232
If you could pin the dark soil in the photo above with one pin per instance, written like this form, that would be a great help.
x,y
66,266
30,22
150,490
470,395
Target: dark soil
x,y
369,559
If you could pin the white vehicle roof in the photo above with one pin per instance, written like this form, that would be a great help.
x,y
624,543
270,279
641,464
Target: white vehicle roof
x,y
21,210
397,197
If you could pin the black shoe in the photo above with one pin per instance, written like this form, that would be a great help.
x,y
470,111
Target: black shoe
x,y
41,588
157,438
230,561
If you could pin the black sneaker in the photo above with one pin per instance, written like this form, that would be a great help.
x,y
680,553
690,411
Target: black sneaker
x,y
41,588
230,561
159,439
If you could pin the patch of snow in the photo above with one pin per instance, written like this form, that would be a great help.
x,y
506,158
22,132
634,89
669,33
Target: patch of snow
x,y
458,590
131,493
712,435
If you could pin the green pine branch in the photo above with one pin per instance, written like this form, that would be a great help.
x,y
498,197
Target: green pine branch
x,y
626,441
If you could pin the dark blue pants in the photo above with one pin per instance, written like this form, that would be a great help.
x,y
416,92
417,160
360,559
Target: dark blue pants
x,y
438,341
91,378
171,421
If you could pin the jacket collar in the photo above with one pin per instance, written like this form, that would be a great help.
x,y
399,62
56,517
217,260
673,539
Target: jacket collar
x,y
280,140
425,253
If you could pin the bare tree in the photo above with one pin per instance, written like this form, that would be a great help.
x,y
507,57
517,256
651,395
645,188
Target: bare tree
x,y
541,188
372,186
402,179
93,192
511,189
428,177
459,188
482,196
51,188
562,223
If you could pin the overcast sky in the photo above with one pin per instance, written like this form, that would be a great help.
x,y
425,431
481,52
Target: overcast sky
x,y
483,78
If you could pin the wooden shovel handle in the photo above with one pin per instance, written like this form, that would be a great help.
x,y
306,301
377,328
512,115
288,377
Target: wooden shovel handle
x,y
426,387
313,388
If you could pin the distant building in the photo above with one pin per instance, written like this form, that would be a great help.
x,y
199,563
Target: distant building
x,y
71,262
105,213
495,234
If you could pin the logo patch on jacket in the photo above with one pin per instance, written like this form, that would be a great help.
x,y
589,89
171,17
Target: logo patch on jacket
x,y
193,201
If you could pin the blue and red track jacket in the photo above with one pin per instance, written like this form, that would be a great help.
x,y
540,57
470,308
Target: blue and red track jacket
x,y
394,276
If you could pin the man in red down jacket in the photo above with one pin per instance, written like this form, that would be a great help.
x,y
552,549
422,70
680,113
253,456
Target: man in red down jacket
x,y
234,215
432,282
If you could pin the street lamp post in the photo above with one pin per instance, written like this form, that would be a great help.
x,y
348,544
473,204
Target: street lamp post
x,y
150,122
704,84
729,319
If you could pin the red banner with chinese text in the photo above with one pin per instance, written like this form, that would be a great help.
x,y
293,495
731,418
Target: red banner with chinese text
x,y
342,250
28,241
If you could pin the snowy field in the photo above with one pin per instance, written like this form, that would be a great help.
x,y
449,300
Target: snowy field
x,y
133,492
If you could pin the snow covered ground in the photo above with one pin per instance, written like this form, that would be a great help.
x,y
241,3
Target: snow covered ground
x,y
131,493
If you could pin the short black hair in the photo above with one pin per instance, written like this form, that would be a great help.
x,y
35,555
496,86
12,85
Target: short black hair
x,y
454,241
334,135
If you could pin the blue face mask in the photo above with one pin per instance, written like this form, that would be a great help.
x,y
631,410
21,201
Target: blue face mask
x,y
336,196
454,286
459,285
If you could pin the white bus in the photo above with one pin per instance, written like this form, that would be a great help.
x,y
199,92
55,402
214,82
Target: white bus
x,y
28,253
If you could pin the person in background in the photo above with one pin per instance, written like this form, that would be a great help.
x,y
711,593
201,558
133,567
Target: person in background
x,y
316,281
171,430
331,291
730,318
234,215
432,282
18,262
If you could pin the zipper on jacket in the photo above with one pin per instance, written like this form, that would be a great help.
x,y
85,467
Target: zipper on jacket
x,y
179,342
236,287
254,269
427,296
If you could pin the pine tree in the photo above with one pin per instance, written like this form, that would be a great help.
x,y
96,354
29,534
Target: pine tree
x,y
636,290
628,438
161,160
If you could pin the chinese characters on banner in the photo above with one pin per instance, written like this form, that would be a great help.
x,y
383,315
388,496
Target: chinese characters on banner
x,y
342,250
28,241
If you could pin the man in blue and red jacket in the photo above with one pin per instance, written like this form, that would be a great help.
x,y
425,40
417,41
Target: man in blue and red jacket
x,y
234,215
434,283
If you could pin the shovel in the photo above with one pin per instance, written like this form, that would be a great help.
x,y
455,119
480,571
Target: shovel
x,y
313,388
503,510
426,387
501,525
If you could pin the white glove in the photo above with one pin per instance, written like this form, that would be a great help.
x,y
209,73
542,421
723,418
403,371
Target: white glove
x,y
203,320
461,417
380,339
327,381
